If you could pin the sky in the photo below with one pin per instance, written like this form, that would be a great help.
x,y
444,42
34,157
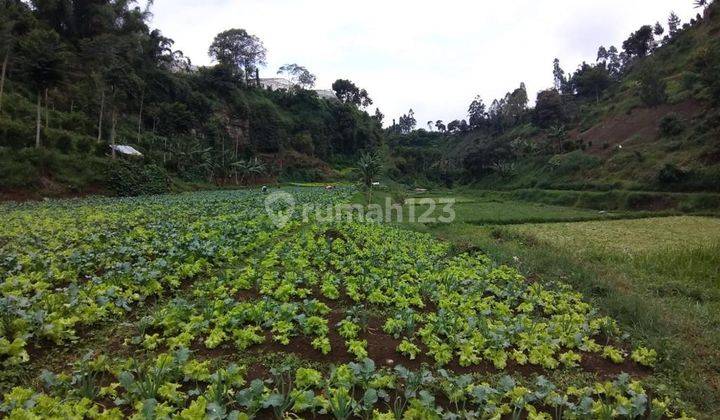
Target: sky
x,y
431,56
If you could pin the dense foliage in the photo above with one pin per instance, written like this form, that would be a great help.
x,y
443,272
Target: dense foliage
x,y
80,75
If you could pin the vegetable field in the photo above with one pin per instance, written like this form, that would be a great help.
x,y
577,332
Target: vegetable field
x,y
198,306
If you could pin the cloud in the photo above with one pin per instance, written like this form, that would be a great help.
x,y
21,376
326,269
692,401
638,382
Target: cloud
x,y
433,57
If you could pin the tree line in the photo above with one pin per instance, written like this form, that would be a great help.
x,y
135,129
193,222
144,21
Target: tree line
x,y
97,75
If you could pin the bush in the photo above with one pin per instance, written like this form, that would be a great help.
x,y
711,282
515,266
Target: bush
x,y
670,174
671,125
16,172
648,201
59,139
84,145
653,89
14,134
573,162
130,178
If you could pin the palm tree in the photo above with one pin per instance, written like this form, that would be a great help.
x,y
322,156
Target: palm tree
x,y
369,167
700,3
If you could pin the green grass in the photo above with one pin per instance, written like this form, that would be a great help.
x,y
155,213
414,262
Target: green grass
x,y
518,207
660,278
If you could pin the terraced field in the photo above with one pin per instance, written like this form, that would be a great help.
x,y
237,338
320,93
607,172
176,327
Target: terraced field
x,y
198,306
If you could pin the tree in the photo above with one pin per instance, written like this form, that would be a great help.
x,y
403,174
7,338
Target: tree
x,y
407,122
348,93
476,113
369,167
653,89
7,41
440,126
15,21
591,81
548,108
699,4
487,156
640,42
602,55
614,63
658,30
43,62
298,75
430,125
379,116
673,24
516,104
238,50
559,76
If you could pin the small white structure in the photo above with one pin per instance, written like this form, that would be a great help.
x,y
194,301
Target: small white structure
x,y
276,83
326,94
125,150
279,83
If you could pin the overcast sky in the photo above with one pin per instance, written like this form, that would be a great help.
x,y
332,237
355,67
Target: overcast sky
x,y
433,57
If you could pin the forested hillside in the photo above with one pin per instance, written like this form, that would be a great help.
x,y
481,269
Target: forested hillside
x,y
644,116
81,75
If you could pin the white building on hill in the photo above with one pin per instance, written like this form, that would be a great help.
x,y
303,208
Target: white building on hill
x,y
277,83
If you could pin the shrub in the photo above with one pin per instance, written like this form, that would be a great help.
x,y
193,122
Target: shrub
x,y
84,145
648,201
14,134
671,125
131,178
653,89
572,162
670,174
59,139
16,172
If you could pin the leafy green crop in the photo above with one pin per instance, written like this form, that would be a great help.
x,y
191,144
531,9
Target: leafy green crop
x,y
220,278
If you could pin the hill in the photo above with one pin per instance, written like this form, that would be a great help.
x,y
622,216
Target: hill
x,y
80,76
644,122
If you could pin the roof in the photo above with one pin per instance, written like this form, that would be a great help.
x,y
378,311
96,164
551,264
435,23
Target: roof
x,y
125,150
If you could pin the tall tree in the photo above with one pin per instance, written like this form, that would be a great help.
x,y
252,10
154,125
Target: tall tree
x,y
614,63
476,113
673,24
590,81
640,42
407,122
516,104
658,30
653,89
238,50
379,116
298,75
43,62
348,93
548,108
602,55
15,21
558,76
440,126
